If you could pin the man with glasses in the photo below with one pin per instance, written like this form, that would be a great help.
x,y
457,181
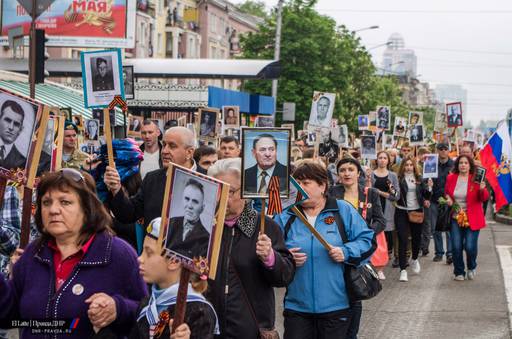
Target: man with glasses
x,y
445,165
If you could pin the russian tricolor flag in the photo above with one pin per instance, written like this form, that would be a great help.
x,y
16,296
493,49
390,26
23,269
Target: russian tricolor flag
x,y
496,157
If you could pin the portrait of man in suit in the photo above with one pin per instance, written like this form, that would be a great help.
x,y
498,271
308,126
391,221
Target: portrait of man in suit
x,y
187,235
103,79
11,125
257,178
454,115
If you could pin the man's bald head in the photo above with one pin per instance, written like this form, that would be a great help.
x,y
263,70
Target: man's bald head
x,y
178,146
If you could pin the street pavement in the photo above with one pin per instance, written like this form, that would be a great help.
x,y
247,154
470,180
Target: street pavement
x,y
433,305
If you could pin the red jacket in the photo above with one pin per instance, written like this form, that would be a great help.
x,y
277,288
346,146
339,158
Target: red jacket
x,y
474,199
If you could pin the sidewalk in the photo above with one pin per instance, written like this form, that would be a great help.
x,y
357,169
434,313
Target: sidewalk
x,y
433,305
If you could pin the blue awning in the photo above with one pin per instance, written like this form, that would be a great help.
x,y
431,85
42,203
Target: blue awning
x,y
249,103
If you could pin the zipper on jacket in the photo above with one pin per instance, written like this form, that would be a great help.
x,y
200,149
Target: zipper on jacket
x,y
313,268
226,286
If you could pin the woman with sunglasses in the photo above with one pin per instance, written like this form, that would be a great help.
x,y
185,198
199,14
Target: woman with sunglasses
x,y
76,268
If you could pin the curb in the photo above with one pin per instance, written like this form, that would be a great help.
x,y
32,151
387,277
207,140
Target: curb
x,y
504,219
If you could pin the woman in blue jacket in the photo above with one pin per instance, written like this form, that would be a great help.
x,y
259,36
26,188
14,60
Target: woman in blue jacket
x,y
316,303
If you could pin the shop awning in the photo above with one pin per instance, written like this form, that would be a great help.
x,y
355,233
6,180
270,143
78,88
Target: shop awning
x,y
249,103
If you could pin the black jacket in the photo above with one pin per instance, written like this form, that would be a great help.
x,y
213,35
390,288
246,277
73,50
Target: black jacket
x,y
422,193
442,173
374,215
195,244
251,177
13,160
240,266
147,203
198,316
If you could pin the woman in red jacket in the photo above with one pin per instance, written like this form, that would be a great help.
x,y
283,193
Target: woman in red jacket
x,y
466,197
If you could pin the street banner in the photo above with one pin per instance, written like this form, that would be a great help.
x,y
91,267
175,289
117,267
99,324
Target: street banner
x,y
76,23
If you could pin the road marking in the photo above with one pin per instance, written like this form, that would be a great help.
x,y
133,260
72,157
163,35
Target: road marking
x,y
505,255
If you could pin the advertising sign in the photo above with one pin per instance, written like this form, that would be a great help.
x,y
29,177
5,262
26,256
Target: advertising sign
x,y
77,23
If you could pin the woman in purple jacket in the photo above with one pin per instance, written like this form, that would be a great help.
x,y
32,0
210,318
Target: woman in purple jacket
x,y
77,270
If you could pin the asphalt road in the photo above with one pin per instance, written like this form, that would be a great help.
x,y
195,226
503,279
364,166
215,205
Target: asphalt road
x,y
433,305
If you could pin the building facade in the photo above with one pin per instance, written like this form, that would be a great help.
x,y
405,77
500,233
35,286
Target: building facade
x,y
397,59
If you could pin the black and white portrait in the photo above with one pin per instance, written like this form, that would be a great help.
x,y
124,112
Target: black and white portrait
x,y
440,122
92,129
328,147
479,174
68,112
207,123
415,118
266,153
128,82
362,122
387,140
416,135
454,114
430,166
192,214
368,147
17,121
45,161
78,120
102,76
383,117
264,121
400,127
322,108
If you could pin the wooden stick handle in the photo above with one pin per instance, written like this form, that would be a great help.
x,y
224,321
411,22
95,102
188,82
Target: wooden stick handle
x,y
25,217
181,301
3,185
311,228
262,217
108,137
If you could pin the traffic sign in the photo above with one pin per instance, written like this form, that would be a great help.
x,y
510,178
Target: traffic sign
x,y
41,6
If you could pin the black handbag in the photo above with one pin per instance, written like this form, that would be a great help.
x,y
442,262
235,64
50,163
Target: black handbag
x,y
362,281
443,222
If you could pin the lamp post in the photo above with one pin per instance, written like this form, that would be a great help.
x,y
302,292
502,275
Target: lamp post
x,y
277,48
389,43
365,29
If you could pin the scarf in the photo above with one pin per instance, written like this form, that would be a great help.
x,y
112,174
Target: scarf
x,y
167,298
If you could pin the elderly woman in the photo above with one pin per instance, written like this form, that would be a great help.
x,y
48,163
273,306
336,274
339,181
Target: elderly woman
x,y
466,198
316,305
251,263
68,272
367,203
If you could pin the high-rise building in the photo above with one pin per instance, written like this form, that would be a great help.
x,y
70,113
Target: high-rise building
x,y
398,60
451,93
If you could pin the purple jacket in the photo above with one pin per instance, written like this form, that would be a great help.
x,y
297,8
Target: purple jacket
x,y
109,266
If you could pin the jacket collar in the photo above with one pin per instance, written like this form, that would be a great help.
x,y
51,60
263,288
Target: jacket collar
x,y
247,221
331,205
98,254
360,193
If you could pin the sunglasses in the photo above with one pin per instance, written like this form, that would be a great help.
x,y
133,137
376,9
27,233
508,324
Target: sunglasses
x,y
72,174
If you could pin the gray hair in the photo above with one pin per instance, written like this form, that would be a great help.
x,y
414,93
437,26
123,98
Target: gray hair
x,y
226,166
186,134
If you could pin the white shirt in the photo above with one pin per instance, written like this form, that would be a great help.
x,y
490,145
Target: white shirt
x,y
311,219
150,163
267,178
412,199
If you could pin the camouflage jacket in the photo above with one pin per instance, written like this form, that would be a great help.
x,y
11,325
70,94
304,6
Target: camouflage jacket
x,y
76,161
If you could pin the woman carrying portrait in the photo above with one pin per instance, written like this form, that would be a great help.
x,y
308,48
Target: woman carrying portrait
x,y
250,264
76,268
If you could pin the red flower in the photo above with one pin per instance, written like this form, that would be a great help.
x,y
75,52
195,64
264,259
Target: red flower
x,y
329,220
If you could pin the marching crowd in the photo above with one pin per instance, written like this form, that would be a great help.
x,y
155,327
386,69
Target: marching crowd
x,y
94,252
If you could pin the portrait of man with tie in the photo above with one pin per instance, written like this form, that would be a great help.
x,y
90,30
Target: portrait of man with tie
x,y
17,118
266,154
187,234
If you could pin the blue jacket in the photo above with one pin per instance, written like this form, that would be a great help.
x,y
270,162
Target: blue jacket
x,y
318,286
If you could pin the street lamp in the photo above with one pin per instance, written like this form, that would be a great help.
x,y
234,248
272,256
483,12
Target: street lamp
x,y
389,43
365,29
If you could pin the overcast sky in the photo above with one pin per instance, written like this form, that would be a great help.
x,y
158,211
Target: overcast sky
x,y
464,42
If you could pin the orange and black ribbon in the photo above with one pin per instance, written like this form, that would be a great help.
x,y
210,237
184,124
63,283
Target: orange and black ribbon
x,y
274,200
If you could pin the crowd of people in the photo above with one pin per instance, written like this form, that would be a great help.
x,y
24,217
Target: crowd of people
x,y
94,252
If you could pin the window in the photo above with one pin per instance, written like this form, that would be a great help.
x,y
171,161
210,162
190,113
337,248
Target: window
x,y
213,23
213,52
168,45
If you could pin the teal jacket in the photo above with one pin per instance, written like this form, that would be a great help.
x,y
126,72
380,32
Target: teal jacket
x,y
318,286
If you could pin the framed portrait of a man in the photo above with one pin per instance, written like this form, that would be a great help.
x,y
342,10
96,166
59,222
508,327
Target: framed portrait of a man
x,y
208,122
440,122
135,125
430,166
368,147
416,135
454,114
194,211
264,121
128,82
415,118
231,116
265,153
18,118
362,122
400,127
383,117
343,137
328,147
78,120
47,154
322,108
102,76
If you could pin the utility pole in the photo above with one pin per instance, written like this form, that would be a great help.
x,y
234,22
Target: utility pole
x,y
32,52
277,47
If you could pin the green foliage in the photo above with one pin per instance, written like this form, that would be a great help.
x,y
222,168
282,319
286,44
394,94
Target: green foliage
x,y
256,8
318,55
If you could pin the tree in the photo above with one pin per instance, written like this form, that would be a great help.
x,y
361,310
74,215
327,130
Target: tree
x,y
256,8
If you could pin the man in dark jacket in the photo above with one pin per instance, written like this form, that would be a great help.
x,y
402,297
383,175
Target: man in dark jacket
x,y
445,165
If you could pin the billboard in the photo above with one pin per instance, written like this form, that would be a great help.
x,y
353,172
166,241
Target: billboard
x,y
77,23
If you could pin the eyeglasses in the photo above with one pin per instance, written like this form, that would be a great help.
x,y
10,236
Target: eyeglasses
x,y
232,192
72,174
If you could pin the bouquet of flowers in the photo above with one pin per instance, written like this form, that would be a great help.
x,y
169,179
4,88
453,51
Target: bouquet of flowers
x,y
457,213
